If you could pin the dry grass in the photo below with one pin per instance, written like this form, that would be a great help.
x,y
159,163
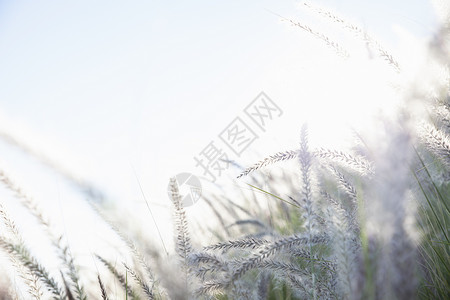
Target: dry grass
x,y
351,226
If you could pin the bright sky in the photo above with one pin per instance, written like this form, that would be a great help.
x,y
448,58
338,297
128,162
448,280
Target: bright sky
x,y
108,86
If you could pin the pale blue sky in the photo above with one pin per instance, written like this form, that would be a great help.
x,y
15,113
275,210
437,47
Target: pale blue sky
x,y
151,83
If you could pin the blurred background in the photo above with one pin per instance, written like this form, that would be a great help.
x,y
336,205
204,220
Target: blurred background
x,y
120,93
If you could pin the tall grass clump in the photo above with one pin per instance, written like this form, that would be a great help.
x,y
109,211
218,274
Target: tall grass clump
x,y
369,222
